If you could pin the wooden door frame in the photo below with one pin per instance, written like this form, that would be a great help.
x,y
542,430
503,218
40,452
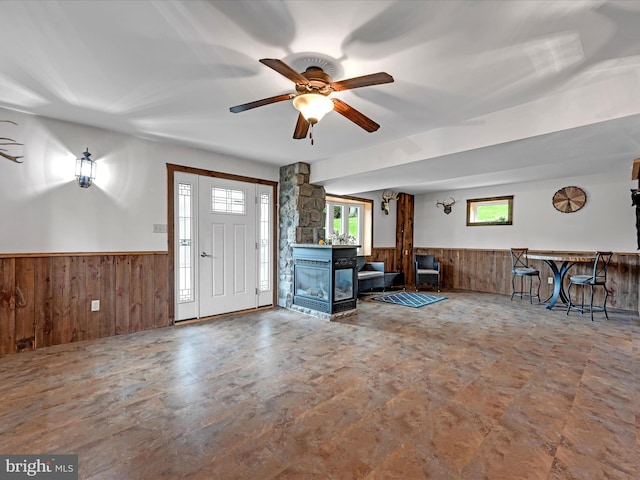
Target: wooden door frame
x,y
171,170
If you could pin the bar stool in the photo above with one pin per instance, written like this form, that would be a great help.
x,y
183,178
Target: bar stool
x,y
598,278
520,268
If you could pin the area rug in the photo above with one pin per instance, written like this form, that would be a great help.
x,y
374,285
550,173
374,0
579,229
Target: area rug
x,y
407,299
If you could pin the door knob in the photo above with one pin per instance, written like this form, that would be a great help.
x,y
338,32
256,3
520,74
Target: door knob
x,y
204,254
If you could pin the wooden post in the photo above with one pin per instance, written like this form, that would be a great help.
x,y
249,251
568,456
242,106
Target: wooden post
x,y
404,237
635,172
635,175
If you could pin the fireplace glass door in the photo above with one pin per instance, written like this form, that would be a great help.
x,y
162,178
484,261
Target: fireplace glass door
x,y
313,282
343,285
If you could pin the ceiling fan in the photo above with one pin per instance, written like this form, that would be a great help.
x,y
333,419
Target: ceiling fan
x,y
313,87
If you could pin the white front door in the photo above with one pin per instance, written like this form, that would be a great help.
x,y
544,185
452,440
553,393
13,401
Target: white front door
x,y
227,246
224,245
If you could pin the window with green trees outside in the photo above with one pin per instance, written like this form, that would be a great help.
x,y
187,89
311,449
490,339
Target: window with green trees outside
x,y
490,211
349,216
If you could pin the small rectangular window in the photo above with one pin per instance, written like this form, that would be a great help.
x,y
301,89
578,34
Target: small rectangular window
x,y
226,200
490,211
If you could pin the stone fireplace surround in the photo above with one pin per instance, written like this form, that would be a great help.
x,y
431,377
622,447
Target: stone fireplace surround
x,y
301,219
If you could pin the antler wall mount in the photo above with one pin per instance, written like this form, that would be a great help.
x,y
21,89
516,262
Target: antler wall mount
x,y
446,206
387,196
5,141
313,87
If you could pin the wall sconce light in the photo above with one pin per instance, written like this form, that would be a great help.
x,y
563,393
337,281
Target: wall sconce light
x,y
85,170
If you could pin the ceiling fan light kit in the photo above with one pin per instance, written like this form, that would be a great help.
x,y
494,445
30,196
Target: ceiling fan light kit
x,y
313,87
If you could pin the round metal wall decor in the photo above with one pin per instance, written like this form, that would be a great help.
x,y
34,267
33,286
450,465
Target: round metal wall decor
x,y
569,199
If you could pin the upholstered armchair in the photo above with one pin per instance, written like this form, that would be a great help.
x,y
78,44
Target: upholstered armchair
x,y
427,270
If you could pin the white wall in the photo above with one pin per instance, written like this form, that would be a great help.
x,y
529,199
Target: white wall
x,y
606,222
384,226
43,210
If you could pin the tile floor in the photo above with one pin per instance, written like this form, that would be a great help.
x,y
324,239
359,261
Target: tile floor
x,y
474,387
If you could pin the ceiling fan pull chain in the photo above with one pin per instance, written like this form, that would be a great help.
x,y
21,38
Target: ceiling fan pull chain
x,y
311,134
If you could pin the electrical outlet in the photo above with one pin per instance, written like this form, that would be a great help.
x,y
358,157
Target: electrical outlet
x,y
550,280
95,305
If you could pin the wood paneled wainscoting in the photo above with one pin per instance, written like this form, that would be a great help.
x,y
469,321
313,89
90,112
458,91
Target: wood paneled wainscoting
x,y
45,299
490,271
387,255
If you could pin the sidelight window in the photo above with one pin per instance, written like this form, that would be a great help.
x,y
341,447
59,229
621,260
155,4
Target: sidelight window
x,y
185,245
264,263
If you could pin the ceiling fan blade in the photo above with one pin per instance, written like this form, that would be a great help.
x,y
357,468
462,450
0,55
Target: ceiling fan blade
x,y
354,115
364,81
284,69
260,103
302,128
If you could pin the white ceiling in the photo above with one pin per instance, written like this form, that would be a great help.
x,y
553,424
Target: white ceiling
x,y
484,93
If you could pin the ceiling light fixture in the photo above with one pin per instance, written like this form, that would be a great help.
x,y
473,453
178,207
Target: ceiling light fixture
x,y
312,106
85,170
